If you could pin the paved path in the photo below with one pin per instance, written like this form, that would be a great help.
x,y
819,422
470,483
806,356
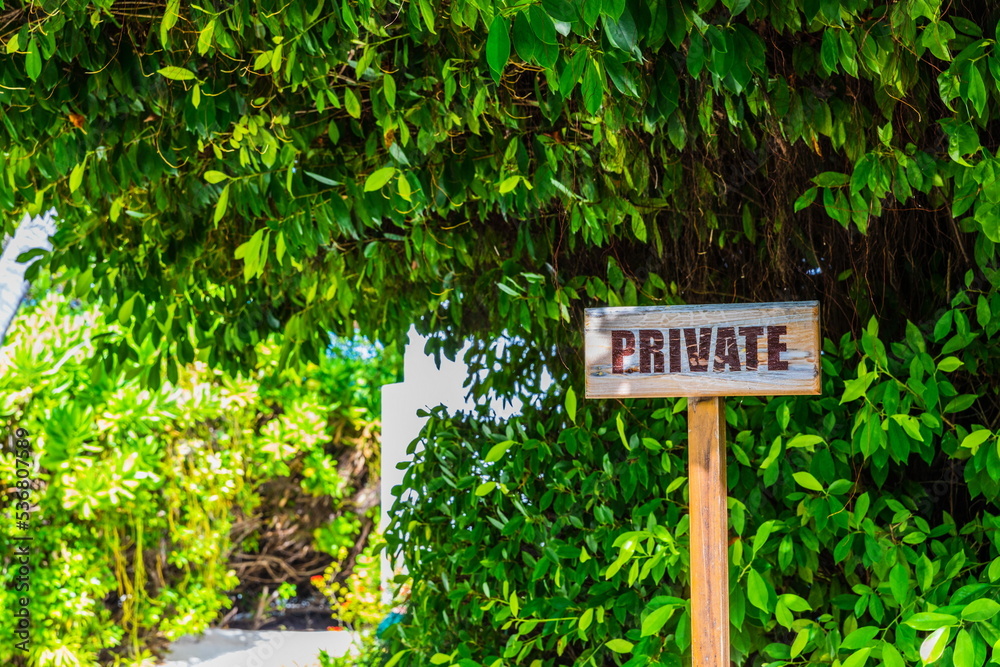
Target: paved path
x,y
245,648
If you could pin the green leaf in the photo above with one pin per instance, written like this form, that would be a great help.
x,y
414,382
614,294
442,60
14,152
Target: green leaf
x,y
806,440
221,205
321,179
806,200
352,103
977,88
593,88
571,73
498,450
571,404
860,638
960,403
125,312
170,15
586,618
831,179
215,176
498,47
976,438
541,25
891,656
205,37
76,176
620,645
485,488
964,655
622,32
176,73
656,620
389,90
33,60
807,481
930,620
427,13
515,604
757,590
509,183
933,647
379,178
948,364
899,583
858,658
801,639
980,610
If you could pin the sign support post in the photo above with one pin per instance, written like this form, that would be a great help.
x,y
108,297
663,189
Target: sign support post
x,y
705,353
709,532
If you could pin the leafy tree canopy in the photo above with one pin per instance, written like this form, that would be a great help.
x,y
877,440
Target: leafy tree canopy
x,y
225,171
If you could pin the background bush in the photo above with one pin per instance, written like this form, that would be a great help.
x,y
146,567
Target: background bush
x,y
138,491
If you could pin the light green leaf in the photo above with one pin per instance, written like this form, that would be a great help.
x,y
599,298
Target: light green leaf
x,y
656,620
205,37
586,618
976,438
757,590
930,620
176,73
515,604
804,440
221,205
858,658
980,610
169,19
76,176
948,364
352,103
620,645
509,184
964,655
379,178
933,647
125,312
800,642
571,404
860,638
389,90
498,450
485,488
213,176
891,656
807,481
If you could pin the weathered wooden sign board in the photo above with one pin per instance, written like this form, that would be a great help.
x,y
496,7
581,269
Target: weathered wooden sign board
x,y
705,353
723,350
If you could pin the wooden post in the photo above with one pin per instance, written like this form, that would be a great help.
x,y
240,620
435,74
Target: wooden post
x,y
709,532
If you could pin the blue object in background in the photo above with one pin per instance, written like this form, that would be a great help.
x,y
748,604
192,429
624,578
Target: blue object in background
x,y
393,618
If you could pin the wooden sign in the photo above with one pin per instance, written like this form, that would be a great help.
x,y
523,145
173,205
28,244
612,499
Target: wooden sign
x,y
705,353
719,350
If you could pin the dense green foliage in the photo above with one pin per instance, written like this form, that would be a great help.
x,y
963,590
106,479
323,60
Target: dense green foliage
x,y
235,171
136,492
